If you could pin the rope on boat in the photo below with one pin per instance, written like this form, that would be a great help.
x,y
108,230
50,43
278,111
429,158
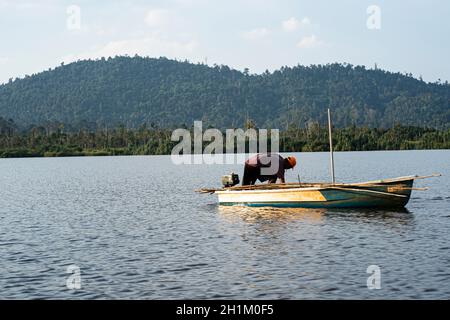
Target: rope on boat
x,y
371,191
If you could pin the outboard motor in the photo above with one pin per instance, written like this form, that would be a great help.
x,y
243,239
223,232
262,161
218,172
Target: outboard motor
x,y
230,180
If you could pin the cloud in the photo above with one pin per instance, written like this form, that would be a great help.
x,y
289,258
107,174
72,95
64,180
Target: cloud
x,y
293,24
290,24
309,42
157,18
255,34
153,45
306,21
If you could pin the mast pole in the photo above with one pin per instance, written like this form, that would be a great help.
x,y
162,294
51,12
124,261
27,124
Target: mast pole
x,y
331,148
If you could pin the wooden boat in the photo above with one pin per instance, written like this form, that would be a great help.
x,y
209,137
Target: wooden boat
x,y
391,193
380,193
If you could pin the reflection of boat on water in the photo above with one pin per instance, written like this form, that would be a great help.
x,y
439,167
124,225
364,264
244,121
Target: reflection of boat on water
x,y
250,214
381,193
254,214
271,217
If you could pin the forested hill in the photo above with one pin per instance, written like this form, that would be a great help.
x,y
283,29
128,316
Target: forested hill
x,y
135,90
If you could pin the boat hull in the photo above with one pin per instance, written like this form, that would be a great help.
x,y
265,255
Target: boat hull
x,y
384,194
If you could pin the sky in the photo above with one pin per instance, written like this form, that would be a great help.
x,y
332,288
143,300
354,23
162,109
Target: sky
x,y
400,36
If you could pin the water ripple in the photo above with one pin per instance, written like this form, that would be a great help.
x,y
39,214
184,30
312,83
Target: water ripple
x,y
136,229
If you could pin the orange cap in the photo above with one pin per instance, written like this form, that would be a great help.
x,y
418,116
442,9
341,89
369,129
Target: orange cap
x,y
292,161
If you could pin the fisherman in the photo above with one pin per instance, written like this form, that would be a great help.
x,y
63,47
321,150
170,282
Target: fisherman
x,y
267,167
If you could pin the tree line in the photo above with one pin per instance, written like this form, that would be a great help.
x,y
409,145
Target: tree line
x,y
56,141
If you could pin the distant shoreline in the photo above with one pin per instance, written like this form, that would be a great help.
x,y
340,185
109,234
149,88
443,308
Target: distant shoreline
x,y
55,142
98,153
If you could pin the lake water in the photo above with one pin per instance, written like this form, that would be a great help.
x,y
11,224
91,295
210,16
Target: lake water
x,y
135,229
